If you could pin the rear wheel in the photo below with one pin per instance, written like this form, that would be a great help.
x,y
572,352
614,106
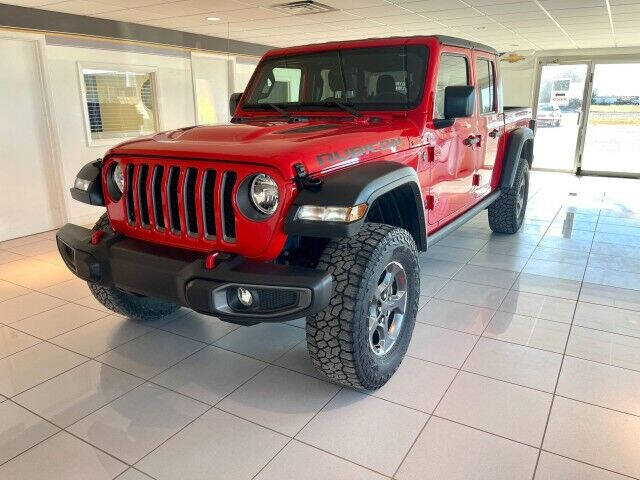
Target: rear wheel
x,y
506,214
127,303
361,337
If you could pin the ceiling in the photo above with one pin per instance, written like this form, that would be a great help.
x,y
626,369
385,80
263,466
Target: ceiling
x,y
506,25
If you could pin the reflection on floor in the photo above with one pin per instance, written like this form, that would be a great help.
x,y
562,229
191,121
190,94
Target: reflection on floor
x,y
525,364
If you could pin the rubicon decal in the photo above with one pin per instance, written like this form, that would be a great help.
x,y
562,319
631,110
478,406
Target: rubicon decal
x,y
357,151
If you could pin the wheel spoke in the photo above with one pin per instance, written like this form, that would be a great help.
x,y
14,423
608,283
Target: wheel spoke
x,y
397,302
384,285
373,320
387,308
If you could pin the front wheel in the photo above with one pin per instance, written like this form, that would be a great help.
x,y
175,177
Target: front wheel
x,y
361,337
506,214
126,303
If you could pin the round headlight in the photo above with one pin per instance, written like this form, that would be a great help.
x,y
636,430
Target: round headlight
x,y
264,194
118,177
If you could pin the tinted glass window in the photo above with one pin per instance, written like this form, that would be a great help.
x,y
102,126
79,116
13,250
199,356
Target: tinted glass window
x,y
485,83
366,78
453,71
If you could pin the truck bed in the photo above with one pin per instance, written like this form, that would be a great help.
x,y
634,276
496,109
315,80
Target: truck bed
x,y
515,117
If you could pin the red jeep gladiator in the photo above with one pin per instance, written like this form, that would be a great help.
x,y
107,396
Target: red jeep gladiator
x,y
342,161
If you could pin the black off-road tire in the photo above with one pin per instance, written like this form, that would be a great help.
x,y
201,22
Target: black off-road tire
x,y
338,336
125,303
506,214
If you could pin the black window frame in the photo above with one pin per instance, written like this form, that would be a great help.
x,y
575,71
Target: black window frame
x,y
363,106
492,77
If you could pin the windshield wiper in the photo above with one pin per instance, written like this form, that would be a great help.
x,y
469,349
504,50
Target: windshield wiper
x,y
347,108
278,109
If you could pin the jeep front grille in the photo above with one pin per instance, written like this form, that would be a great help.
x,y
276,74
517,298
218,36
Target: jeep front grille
x,y
181,201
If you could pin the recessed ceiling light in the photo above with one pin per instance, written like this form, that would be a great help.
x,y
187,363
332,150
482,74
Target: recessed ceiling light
x,y
213,19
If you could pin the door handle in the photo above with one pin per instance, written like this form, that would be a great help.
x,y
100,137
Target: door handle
x,y
471,140
495,133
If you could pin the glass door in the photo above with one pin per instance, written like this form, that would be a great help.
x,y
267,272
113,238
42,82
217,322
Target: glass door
x,y
559,111
612,138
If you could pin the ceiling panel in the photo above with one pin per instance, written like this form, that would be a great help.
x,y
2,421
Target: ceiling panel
x,y
578,12
510,8
381,11
432,5
558,4
527,24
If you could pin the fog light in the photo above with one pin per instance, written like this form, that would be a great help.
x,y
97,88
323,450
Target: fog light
x,y
244,296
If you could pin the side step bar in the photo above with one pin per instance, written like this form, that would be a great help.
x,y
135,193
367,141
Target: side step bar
x,y
462,219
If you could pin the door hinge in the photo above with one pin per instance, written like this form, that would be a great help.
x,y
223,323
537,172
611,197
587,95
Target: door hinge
x,y
429,202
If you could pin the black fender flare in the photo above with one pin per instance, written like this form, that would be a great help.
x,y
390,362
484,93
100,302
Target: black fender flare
x,y
90,172
513,153
363,183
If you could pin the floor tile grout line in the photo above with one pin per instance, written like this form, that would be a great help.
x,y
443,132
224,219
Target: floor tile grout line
x,y
67,331
61,430
58,430
299,430
86,360
590,464
47,340
211,407
384,475
395,473
575,308
95,359
503,299
144,380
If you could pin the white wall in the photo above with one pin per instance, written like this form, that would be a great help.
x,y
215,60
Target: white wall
x,y
29,199
211,83
243,70
191,88
517,82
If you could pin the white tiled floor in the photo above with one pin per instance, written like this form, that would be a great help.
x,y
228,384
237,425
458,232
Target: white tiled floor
x,y
524,364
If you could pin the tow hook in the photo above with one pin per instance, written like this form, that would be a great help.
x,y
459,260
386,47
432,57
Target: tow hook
x,y
210,261
304,181
97,236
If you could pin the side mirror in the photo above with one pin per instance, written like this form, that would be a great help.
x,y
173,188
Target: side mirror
x,y
233,102
459,101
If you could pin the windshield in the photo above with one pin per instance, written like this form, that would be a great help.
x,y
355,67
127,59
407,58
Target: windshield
x,y
389,78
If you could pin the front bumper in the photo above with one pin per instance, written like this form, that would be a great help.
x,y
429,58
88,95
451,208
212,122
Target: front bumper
x,y
279,292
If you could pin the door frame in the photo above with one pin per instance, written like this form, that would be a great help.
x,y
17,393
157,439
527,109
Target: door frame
x,y
601,173
53,168
545,61
591,62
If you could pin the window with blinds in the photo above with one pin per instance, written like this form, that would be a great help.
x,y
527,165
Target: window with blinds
x,y
119,103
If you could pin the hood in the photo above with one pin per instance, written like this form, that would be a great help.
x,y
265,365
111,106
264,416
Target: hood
x,y
320,145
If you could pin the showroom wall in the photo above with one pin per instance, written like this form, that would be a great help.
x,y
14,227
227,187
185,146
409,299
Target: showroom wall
x,y
190,88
